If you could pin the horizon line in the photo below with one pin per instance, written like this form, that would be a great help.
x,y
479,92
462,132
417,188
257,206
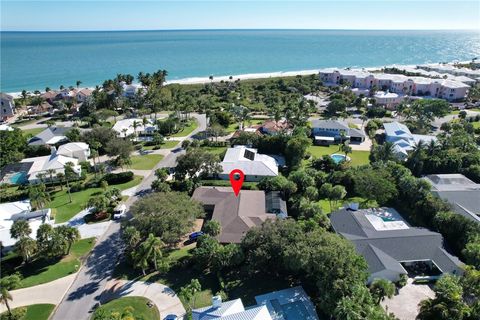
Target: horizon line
x,y
239,29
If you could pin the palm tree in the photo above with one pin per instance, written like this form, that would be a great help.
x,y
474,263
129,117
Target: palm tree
x,y
135,125
70,235
69,174
38,196
6,284
20,229
346,149
60,177
50,173
78,83
131,236
149,251
124,130
26,246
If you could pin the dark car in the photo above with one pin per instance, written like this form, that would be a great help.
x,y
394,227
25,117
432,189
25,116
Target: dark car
x,y
195,235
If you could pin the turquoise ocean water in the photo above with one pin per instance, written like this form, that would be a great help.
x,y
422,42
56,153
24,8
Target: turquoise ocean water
x,y
34,60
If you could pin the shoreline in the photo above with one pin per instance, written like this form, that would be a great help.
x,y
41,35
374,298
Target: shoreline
x,y
249,76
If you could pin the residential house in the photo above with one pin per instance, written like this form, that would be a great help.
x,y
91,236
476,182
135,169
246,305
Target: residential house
x,y
272,127
462,193
403,140
238,214
388,99
50,137
20,210
451,69
37,166
5,127
254,165
327,132
78,150
7,108
83,94
291,303
391,247
127,127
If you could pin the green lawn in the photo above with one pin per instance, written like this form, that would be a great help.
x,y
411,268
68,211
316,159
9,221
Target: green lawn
x,y
476,124
234,126
139,305
168,144
65,209
32,132
358,157
36,311
215,150
145,162
43,271
192,125
325,204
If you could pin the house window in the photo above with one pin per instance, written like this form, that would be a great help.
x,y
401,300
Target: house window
x,y
4,110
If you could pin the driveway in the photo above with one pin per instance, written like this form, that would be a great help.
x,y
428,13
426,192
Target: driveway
x,y
51,292
404,305
164,298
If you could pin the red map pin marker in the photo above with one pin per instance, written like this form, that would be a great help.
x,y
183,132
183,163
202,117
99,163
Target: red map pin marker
x,y
236,179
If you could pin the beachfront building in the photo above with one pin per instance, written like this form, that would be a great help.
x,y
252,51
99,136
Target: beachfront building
x,y
7,106
20,210
83,94
291,303
451,69
50,137
78,150
402,85
326,132
254,165
238,214
402,139
391,247
134,127
460,192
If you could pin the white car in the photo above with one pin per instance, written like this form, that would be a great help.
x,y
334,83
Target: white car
x,y
119,211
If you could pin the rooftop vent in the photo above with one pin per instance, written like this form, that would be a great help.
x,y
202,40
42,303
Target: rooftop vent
x,y
216,301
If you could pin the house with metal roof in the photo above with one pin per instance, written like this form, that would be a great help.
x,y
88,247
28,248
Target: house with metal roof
x,y
392,247
238,214
335,131
460,192
291,303
50,136
254,165
403,140
78,150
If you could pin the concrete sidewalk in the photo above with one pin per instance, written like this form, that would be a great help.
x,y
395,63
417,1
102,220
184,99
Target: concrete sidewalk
x,y
164,298
51,292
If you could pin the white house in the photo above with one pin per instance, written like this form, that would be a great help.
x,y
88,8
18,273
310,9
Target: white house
x,y
388,99
127,127
403,140
254,165
78,150
20,210
43,165
276,305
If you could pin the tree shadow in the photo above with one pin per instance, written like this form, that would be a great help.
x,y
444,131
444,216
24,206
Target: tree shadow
x,y
85,290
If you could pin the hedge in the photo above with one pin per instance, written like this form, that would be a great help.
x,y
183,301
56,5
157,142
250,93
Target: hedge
x,y
118,178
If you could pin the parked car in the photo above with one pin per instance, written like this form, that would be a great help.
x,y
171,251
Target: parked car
x,y
171,317
119,211
195,235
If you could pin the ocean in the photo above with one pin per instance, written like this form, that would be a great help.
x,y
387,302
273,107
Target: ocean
x,y
35,60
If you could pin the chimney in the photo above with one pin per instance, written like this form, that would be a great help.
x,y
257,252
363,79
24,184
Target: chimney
x,y
216,301
53,150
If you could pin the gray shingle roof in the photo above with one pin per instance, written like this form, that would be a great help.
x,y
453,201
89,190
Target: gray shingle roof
x,y
47,134
386,248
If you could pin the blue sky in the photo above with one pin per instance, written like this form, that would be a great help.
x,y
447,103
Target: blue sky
x,y
228,14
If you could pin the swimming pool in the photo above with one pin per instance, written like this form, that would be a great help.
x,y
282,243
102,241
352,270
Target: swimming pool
x,y
18,178
338,158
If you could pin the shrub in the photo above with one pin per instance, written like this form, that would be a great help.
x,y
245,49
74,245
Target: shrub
x,y
118,178
17,314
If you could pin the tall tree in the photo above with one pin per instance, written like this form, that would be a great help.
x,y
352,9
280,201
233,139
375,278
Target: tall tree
x,y
6,284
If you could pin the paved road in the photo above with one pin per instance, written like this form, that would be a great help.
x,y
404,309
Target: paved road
x,y
92,278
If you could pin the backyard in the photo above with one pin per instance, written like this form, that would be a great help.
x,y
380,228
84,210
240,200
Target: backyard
x,y
139,305
234,126
42,271
167,144
358,158
325,204
145,162
65,210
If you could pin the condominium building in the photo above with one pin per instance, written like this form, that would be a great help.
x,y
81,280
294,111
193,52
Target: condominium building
x,y
450,90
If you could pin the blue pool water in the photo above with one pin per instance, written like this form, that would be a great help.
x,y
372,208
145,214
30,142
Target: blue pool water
x,y
34,60
18,178
337,158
